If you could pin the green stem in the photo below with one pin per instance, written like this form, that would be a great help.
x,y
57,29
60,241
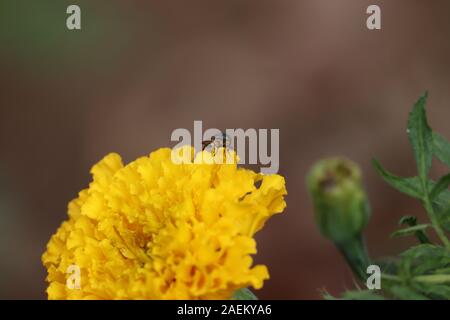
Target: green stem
x,y
429,278
433,278
355,252
390,277
434,221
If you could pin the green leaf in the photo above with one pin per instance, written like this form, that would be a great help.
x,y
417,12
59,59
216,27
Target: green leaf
x,y
441,148
423,259
434,291
388,265
443,198
362,295
406,293
412,221
421,138
442,271
409,231
423,250
441,204
440,186
444,219
433,278
327,296
412,187
409,186
244,294
409,220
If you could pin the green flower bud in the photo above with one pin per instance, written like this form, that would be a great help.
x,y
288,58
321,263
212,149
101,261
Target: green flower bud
x,y
341,208
340,202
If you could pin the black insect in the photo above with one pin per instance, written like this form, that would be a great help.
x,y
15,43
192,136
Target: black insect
x,y
218,141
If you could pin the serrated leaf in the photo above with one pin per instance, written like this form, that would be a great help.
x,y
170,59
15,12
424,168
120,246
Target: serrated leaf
x,y
427,264
442,271
441,205
440,186
443,198
441,148
412,187
409,220
421,138
412,221
425,249
409,186
244,294
409,231
444,219
406,293
434,291
423,259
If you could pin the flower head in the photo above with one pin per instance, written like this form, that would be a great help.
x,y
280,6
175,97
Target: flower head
x,y
340,202
155,229
341,208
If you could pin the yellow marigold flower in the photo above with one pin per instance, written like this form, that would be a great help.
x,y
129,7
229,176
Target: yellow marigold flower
x,y
154,229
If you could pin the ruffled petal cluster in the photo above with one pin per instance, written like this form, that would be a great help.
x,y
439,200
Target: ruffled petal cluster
x,y
155,229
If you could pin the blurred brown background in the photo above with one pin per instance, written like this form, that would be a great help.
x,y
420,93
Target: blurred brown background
x,y
139,69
